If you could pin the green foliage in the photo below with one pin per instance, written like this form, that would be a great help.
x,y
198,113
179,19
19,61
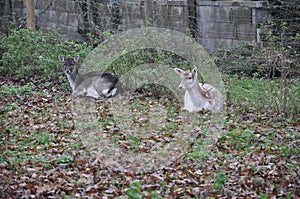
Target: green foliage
x,y
134,192
64,159
263,196
279,96
287,11
154,57
25,53
220,181
236,60
14,90
277,54
240,140
287,151
130,60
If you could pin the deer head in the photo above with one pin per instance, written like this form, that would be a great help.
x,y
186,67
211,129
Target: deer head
x,y
188,78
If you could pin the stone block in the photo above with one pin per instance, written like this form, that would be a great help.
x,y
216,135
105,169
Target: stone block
x,y
240,15
60,5
205,13
42,19
71,32
52,15
246,32
52,25
223,14
61,18
214,14
72,20
261,16
42,5
70,6
217,30
218,21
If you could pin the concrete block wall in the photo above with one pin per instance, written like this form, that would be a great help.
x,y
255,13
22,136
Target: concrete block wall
x,y
218,23
223,23
132,15
8,11
59,14
171,14
166,14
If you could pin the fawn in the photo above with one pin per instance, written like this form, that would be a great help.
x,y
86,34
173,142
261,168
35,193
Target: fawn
x,y
199,96
94,84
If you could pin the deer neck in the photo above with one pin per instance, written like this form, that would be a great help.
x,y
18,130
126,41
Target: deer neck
x,y
72,78
193,87
196,98
196,91
196,94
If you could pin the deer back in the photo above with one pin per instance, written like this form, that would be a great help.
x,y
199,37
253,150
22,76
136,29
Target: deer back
x,y
93,84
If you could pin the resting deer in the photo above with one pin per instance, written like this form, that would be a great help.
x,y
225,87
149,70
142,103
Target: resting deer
x,y
94,84
199,96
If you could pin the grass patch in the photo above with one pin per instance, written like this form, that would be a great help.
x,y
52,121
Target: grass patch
x,y
240,140
278,97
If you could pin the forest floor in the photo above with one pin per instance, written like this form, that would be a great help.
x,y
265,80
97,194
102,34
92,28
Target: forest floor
x,y
47,152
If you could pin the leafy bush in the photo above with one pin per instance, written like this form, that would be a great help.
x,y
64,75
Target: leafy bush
x,y
279,98
276,56
26,53
13,90
287,11
238,59
134,60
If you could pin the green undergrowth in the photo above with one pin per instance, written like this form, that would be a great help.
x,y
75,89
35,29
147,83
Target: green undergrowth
x,y
25,53
279,98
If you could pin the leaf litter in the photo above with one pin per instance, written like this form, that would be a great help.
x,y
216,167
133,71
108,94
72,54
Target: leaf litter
x,y
43,154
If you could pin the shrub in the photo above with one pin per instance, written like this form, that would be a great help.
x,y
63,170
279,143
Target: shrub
x,y
26,53
131,63
273,66
277,55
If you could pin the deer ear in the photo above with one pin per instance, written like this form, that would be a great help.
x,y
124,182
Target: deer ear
x,y
61,58
194,71
76,58
178,71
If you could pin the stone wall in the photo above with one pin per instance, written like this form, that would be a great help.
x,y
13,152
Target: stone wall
x,y
9,9
215,24
59,14
222,23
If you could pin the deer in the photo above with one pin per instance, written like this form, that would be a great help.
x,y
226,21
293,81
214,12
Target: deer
x,y
199,96
94,84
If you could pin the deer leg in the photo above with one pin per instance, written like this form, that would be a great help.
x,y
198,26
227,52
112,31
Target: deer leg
x,y
109,92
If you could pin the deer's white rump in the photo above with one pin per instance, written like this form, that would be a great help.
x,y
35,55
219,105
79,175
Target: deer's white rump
x,y
94,84
199,96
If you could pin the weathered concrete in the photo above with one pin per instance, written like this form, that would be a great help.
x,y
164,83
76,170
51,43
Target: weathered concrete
x,y
218,23
222,23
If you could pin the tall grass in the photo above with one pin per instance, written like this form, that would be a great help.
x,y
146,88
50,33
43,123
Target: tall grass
x,y
278,98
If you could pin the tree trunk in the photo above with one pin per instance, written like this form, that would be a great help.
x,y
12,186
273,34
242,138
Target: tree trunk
x,y
30,15
149,10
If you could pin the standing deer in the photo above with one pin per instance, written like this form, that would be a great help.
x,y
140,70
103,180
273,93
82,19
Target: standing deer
x,y
94,84
199,96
